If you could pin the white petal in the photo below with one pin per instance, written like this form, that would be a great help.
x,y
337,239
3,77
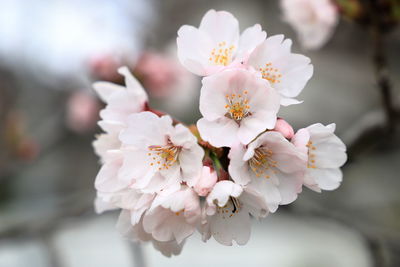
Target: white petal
x,y
249,40
106,89
220,26
219,133
194,48
327,179
222,191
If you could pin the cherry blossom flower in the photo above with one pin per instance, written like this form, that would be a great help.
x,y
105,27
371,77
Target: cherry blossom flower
x,y
120,103
313,20
173,217
226,215
286,72
158,154
270,165
236,106
216,43
326,154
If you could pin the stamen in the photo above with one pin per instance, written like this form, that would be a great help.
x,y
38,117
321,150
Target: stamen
x,y
270,74
262,163
237,106
232,207
163,156
222,55
311,156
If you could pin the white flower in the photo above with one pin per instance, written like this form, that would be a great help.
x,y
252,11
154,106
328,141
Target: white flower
x,y
121,101
135,232
286,72
236,106
159,155
326,154
313,20
173,217
270,165
226,213
216,43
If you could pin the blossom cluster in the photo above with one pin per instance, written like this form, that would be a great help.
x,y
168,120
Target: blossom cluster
x,y
240,161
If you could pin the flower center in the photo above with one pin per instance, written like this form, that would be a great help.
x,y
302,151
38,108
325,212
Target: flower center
x,y
270,74
311,156
261,163
232,207
163,157
237,106
222,55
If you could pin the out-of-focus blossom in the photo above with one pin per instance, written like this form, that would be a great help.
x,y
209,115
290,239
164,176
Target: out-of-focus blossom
x,y
226,215
105,66
157,73
236,106
216,43
286,72
82,112
313,20
270,165
326,154
157,154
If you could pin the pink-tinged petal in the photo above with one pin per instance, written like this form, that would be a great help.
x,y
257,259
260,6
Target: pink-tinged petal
x,y
101,206
213,95
222,191
300,140
133,85
289,101
249,40
194,48
106,89
104,143
327,179
152,130
225,228
168,248
221,26
219,133
254,203
267,188
107,179
290,185
238,167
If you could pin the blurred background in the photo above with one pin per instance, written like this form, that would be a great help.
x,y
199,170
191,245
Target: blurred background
x,y
52,50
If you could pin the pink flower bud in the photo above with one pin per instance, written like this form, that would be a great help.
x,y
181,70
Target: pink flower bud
x,y
206,182
284,128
